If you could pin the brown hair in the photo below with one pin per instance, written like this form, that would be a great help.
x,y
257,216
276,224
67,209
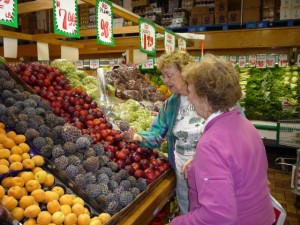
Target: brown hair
x,y
217,79
180,58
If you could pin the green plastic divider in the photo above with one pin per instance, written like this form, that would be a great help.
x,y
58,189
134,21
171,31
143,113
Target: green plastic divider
x,y
265,127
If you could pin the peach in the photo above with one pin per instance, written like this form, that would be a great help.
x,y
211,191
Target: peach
x,y
2,192
30,221
78,209
78,200
25,155
20,138
4,153
44,218
6,182
16,150
8,143
36,169
4,162
17,181
4,169
25,147
9,202
26,176
67,199
11,134
95,221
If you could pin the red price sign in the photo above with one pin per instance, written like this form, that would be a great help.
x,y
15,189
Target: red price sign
x,y
282,60
104,23
147,37
232,59
252,61
242,61
169,41
261,61
66,17
8,13
271,61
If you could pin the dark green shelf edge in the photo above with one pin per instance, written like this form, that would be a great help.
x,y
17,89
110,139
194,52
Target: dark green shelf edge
x,y
265,127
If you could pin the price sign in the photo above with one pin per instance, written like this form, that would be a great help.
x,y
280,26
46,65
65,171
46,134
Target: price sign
x,y
79,64
233,59
242,61
181,44
261,61
149,64
66,18
147,36
298,60
104,23
271,59
282,60
223,57
169,41
252,60
9,13
94,63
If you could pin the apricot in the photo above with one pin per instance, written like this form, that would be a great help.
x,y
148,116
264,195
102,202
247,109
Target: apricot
x,y
11,134
15,158
28,163
32,185
2,192
15,191
25,147
25,155
30,221
86,211
53,206
8,143
32,211
70,219
18,213
41,176
44,218
6,182
4,169
24,192
17,181
67,199
38,160
4,153
36,169
2,125
16,150
4,162
65,209
50,195
49,180
83,219
9,202
78,209
59,190
16,166
20,138
26,201
104,217
39,195
26,176
95,221
78,200
58,218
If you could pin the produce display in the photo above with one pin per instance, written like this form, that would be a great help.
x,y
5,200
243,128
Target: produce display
x,y
270,94
109,170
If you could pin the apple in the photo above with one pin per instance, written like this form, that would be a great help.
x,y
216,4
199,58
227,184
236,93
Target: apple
x,y
121,155
144,163
138,173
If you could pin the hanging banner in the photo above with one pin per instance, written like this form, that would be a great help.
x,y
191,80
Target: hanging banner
x,y
147,32
181,44
105,23
271,60
9,13
261,61
282,60
169,41
65,14
252,60
242,61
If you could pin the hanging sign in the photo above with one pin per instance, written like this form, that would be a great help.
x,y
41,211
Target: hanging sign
x,y
105,23
147,36
9,13
242,61
65,15
94,63
252,60
261,61
282,60
271,60
181,44
169,40
233,59
149,64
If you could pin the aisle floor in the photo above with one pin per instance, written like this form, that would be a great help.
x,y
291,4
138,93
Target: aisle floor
x,y
282,191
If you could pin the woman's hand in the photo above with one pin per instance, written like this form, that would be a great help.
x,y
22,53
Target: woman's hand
x,y
185,167
131,136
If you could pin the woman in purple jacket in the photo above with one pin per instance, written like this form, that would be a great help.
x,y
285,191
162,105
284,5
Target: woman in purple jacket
x,y
228,177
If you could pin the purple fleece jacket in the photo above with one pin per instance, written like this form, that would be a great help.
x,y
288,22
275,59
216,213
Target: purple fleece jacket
x,y
228,176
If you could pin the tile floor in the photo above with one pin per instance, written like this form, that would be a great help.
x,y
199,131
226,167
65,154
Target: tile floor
x,y
282,191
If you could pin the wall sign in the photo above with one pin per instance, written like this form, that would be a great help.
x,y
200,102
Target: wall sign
x,y
169,41
242,61
104,23
261,61
65,14
9,13
147,32
252,60
271,60
282,60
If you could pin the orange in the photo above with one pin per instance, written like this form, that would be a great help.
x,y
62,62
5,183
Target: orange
x,y
95,221
44,218
16,166
67,199
20,138
65,209
17,181
59,190
6,182
25,155
41,176
78,209
4,162
26,176
36,169
32,211
18,213
30,221
50,195
78,200
104,217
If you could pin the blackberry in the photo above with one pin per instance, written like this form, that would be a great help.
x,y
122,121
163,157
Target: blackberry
x,y
21,127
19,87
112,185
71,171
79,155
102,201
90,152
91,164
90,178
124,174
23,116
30,112
34,97
132,180
57,130
2,109
83,143
61,162
20,106
118,191
6,94
102,178
113,166
57,151
9,84
69,148
126,184
74,160
70,133
44,104
112,197
116,177
92,190
125,198
50,120
141,184
106,171
44,130
47,151
81,169
104,160
9,102
135,191
39,142
31,133
80,180
112,208
30,103
33,124
40,112
39,120
20,96
49,141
